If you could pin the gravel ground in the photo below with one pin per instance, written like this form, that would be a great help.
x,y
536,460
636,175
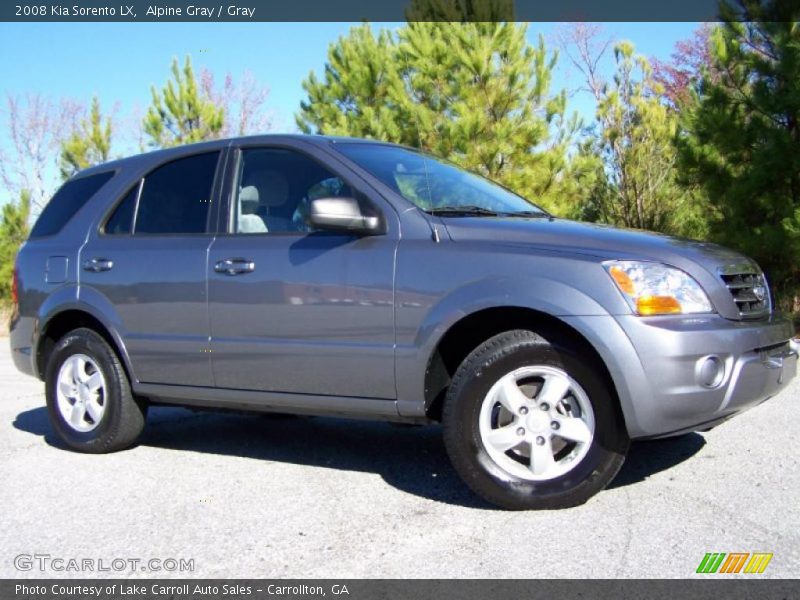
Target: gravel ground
x,y
248,496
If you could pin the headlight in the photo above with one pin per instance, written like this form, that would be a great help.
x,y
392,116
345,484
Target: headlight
x,y
655,289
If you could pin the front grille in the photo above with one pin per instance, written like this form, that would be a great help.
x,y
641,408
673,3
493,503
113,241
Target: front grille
x,y
749,290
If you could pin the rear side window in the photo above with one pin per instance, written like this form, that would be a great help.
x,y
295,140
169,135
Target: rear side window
x,y
67,201
176,196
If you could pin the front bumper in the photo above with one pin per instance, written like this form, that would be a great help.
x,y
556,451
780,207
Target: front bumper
x,y
755,361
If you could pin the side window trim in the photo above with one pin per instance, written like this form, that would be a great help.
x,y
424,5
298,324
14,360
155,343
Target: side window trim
x,y
135,215
236,175
218,200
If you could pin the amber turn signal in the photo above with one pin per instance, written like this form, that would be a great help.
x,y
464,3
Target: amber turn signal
x,y
657,305
624,282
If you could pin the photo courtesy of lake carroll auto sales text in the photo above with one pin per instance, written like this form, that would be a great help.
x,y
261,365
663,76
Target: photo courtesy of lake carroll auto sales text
x,y
172,590
411,299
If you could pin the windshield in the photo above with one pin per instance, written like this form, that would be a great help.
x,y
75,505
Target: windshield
x,y
433,185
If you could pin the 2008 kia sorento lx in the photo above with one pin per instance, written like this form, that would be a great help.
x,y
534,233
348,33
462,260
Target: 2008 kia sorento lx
x,y
349,277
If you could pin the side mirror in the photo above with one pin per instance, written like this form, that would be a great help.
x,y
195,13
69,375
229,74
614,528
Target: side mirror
x,y
344,215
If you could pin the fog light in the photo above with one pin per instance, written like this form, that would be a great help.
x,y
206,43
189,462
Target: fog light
x,y
710,371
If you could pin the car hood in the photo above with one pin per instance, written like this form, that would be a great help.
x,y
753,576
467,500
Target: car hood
x,y
602,241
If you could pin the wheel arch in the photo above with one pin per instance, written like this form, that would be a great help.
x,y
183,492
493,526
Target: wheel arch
x,y
468,332
71,317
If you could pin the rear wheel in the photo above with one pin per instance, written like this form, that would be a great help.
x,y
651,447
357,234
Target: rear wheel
x,y
531,425
89,398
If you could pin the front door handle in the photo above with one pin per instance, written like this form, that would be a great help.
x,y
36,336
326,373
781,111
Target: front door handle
x,y
96,265
235,266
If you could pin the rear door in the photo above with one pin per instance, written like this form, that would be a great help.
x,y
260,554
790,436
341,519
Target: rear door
x,y
291,309
148,263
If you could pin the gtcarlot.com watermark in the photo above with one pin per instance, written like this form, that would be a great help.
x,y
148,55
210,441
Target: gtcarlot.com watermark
x,y
70,564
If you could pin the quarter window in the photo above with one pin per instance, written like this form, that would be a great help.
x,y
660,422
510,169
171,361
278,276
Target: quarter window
x,y
68,200
175,198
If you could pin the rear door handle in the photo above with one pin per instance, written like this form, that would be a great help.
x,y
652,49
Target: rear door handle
x,y
96,265
235,266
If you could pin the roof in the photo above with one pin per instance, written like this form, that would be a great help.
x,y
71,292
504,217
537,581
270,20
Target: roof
x,y
177,151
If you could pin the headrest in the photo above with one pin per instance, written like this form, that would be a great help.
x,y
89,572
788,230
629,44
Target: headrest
x,y
248,200
272,187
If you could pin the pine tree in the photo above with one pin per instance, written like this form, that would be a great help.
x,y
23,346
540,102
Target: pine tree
x,y
358,94
475,93
743,139
181,113
89,144
14,230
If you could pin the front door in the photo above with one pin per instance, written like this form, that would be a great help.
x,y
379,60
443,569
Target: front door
x,y
294,310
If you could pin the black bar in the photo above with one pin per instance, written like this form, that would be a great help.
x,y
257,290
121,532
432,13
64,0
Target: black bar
x,y
350,10
711,587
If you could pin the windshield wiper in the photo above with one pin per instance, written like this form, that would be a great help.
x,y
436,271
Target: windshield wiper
x,y
529,214
472,210
466,210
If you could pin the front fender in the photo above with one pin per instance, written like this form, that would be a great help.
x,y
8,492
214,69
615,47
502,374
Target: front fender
x,y
537,293
542,294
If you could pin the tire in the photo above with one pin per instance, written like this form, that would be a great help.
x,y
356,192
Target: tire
x,y
112,417
475,418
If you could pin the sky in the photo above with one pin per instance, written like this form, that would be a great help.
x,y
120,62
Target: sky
x,y
119,62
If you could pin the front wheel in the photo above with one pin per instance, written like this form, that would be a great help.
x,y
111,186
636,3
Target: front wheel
x,y
89,397
531,425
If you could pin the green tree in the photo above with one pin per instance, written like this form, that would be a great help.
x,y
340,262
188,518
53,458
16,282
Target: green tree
x,y
181,113
89,144
477,94
633,136
742,141
636,137
359,90
14,230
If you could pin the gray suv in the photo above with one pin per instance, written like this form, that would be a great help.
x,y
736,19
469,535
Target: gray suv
x,y
346,277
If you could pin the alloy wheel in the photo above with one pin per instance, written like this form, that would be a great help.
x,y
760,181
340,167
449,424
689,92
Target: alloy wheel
x,y
80,393
536,423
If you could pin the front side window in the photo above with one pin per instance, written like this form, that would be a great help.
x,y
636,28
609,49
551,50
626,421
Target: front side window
x,y
66,202
434,185
175,198
274,187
